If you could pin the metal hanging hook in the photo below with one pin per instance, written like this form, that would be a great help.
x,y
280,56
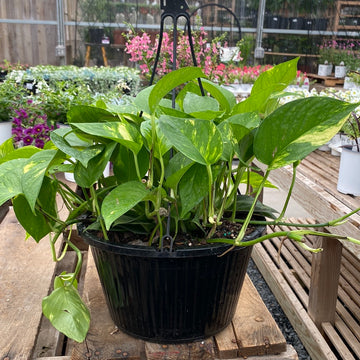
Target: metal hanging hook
x,y
174,9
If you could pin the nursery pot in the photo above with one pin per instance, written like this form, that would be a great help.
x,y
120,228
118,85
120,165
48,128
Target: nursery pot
x,y
349,172
325,69
171,297
340,71
5,130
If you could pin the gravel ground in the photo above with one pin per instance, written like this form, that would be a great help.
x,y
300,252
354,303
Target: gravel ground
x,y
276,311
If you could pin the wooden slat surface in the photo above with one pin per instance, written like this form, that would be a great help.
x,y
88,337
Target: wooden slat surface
x,y
256,331
290,284
316,192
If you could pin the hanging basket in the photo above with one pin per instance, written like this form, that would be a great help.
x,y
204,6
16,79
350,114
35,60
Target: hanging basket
x,y
171,297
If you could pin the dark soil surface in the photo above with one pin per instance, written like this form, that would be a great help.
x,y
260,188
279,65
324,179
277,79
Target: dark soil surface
x,y
227,230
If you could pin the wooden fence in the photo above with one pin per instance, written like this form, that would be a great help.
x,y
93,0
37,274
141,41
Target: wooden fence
x,y
28,31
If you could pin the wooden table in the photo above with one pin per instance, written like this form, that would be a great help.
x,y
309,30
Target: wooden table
x,y
320,278
88,51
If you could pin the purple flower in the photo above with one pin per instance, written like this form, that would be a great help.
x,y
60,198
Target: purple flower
x,y
28,131
37,129
17,131
16,121
23,113
39,143
28,140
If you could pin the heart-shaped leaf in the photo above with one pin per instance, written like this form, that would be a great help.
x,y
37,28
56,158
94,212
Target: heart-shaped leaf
x,y
11,173
34,173
122,132
193,187
67,312
122,199
199,140
171,81
297,128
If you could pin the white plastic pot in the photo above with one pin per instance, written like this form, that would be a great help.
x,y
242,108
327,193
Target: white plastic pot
x,y
349,172
70,176
325,69
5,130
340,71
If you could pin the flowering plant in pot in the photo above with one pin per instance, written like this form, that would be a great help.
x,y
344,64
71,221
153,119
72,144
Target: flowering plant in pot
x,y
174,189
142,51
10,95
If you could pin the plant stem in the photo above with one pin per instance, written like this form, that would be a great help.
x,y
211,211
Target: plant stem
x,y
79,262
137,166
282,214
251,211
296,235
211,195
239,173
98,212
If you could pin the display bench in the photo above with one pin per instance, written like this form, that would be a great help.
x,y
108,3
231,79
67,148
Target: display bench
x,y
329,81
26,276
319,293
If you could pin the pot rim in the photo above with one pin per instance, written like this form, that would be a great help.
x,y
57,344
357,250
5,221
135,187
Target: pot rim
x,y
138,250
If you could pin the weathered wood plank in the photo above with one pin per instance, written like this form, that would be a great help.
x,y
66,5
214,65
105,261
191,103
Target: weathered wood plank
x,y
337,341
347,327
347,334
287,273
26,274
200,350
303,325
54,358
319,203
226,343
325,273
256,331
289,354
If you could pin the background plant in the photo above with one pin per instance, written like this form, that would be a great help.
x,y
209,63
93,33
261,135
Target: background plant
x,y
30,125
57,89
97,79
10,94
343,50
143,52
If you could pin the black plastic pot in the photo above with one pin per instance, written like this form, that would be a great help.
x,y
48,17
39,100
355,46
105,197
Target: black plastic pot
x,y
320,24
95,35
297,23
171,297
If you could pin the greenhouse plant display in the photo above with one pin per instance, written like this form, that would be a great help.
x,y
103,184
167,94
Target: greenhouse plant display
x,y
167,227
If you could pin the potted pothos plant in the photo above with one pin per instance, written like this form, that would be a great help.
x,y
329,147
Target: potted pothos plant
x,y
169,230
